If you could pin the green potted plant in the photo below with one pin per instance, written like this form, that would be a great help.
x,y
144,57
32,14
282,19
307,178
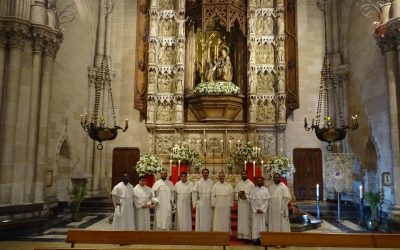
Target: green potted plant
x,y
373,199
78,195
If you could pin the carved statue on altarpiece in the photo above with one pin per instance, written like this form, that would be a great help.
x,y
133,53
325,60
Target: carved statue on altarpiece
x,y
224,68
282,111
265,83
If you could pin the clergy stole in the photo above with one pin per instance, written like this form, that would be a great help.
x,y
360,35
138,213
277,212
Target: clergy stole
x,y
242,190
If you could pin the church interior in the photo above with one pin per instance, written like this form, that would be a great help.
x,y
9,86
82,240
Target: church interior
x,y
90,86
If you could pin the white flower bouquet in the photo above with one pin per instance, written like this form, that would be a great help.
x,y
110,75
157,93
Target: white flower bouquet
x,y
148,164
246,153
216,88
279,164
183,152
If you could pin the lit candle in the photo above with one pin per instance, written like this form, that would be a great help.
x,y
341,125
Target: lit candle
x,y
262,167
230,145
86,116
245,162
81,119
254,169
170,167
179,167
317,190
361,192
205,145
126,122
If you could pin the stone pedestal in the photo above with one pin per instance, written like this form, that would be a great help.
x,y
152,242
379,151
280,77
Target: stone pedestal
x,y
216,107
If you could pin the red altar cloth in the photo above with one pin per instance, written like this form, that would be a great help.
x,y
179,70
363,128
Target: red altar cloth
x,y
150,179
175,177
250,175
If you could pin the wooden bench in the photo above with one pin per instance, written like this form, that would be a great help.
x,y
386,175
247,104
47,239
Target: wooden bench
x,y
149,238
352,240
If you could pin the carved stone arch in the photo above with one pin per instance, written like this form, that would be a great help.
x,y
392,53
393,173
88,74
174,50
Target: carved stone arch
x,y
371,156
63,169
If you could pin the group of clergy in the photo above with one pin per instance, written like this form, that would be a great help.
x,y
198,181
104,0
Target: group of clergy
x,y
259,208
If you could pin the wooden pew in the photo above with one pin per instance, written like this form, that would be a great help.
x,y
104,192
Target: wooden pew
x,y
149,238
351,240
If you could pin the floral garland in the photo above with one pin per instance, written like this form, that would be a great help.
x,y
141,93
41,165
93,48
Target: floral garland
x,y
246,153
148,164
279,164
216,88
183,152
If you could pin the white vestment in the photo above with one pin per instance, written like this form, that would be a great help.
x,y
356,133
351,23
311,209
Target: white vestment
x,y
163,193
122,196
142,197
222,201
183,215
201,198
244,209
259,199
278,215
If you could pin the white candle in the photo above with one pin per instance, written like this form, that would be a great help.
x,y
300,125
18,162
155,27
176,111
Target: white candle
x,y
361,192
254,169
170,167
161,164
179,167
245,162
317,190
81,119
126,122
230,145
262,168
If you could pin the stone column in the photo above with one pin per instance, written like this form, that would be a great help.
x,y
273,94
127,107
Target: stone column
x,y
392,68
10,108
39,12
395,9
3,43
38,45
385,8
100,36
49,54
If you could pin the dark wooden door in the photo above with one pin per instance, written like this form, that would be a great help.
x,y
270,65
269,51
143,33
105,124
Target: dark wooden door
x,y
124,161
308,164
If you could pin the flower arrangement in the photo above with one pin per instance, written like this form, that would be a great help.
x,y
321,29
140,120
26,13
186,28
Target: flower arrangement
x,y
216,88
279,164
182,151
148,164
246,153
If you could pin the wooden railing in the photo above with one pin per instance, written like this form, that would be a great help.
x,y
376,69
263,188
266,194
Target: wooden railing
x,y
349,240
149,238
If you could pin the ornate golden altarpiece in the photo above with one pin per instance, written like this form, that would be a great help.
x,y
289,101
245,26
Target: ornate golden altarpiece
x,y
260,36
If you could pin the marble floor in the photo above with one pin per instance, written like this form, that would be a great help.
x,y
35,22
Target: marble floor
x,y
56,236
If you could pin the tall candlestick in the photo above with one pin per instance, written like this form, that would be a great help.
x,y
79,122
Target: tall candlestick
x,y
317,191
205,145
170,167
262,168
254,169
245,163
179,167
361,192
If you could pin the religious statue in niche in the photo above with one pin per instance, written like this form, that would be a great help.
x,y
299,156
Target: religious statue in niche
x,y
164,83
266,54
281,24
152,81
264,3
167,55
214,57
179,81
153,24
268,27
266,112
253,111
252,80
265,82
180,53
152,53
179,112
282,110
150,112
164,112
281,52
166,4
281,81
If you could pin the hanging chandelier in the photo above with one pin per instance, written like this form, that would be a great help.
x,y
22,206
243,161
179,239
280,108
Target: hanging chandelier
x,y
96,126
326,127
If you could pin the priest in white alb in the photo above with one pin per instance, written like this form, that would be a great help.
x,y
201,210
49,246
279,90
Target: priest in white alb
x,y
143,203
163,196
183,193
278,217
201,199
222,201
242,191
122,197
259,198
